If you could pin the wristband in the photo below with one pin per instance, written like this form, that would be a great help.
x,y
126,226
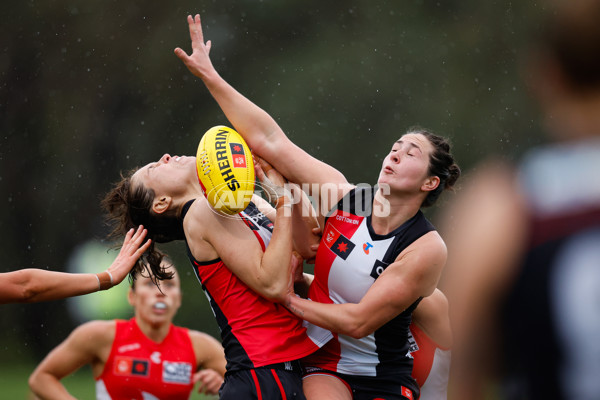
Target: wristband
x,y
105,280
281,202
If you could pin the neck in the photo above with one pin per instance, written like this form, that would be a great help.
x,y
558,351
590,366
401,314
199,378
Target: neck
x,y
389,212
156,332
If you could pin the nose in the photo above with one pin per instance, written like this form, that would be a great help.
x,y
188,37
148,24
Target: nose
x,y
165,158
395,157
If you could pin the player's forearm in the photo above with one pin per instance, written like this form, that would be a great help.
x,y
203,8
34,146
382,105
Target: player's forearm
x,y
338,318
275,268
41,285
252,122
47,387
304,220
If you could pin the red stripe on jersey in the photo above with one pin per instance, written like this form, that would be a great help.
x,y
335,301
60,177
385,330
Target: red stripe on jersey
x,y
256,384
260,240
327,357
283,396
340,223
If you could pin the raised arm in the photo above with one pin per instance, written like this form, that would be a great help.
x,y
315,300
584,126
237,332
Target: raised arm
x,y
257,127
82,347
32,285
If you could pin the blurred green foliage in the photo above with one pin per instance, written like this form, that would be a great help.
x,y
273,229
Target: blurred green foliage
x,y
89,89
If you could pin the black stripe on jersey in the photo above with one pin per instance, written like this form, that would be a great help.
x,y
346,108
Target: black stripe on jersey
x,y
236,356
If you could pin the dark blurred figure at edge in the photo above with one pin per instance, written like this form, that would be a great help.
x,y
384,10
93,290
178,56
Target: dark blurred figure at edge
x,y
523,274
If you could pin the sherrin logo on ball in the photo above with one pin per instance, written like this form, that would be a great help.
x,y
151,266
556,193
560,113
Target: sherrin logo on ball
x,y
225,170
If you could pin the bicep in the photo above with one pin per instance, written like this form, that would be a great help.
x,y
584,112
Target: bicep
x,y
299,167
414,274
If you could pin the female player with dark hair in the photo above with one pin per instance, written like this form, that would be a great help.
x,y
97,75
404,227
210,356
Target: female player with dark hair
x,y
242,262
144,357
31,285
378,255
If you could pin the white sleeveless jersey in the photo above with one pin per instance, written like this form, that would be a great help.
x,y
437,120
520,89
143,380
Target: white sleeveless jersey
x,y
351,256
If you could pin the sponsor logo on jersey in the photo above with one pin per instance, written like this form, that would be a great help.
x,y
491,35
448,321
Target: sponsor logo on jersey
x,y
131,366
253,217
366,247
406,392
238,155
412,343
338,243
378,268
348,220
177,372
128,347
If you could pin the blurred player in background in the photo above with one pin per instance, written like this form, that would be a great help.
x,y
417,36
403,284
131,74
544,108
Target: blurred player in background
x,y
524,242
431,339
145,357
32,285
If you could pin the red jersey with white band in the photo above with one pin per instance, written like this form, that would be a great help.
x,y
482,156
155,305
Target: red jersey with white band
x,y
431,365
138,368
255,331
351,256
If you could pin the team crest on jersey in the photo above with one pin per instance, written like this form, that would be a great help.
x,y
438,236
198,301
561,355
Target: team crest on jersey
x,y
131,366
378,268
177,372
338,243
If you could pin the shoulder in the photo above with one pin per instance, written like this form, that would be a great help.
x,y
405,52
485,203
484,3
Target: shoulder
x,y
430,248
205,346
93,334
202,339
199,224
199,210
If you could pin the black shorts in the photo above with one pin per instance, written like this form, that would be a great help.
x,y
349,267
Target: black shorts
x,y
281,381
372,387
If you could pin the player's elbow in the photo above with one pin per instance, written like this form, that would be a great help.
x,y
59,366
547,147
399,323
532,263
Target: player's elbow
x,y
358,331
35,383
28,289
272,290
356,327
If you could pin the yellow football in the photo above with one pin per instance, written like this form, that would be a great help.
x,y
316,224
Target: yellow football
x,y
225,170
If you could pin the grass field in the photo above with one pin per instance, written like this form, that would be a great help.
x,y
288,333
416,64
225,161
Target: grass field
x,y
13,381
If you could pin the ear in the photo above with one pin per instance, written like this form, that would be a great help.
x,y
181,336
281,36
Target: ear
x,y
430,183
161,204
130,297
